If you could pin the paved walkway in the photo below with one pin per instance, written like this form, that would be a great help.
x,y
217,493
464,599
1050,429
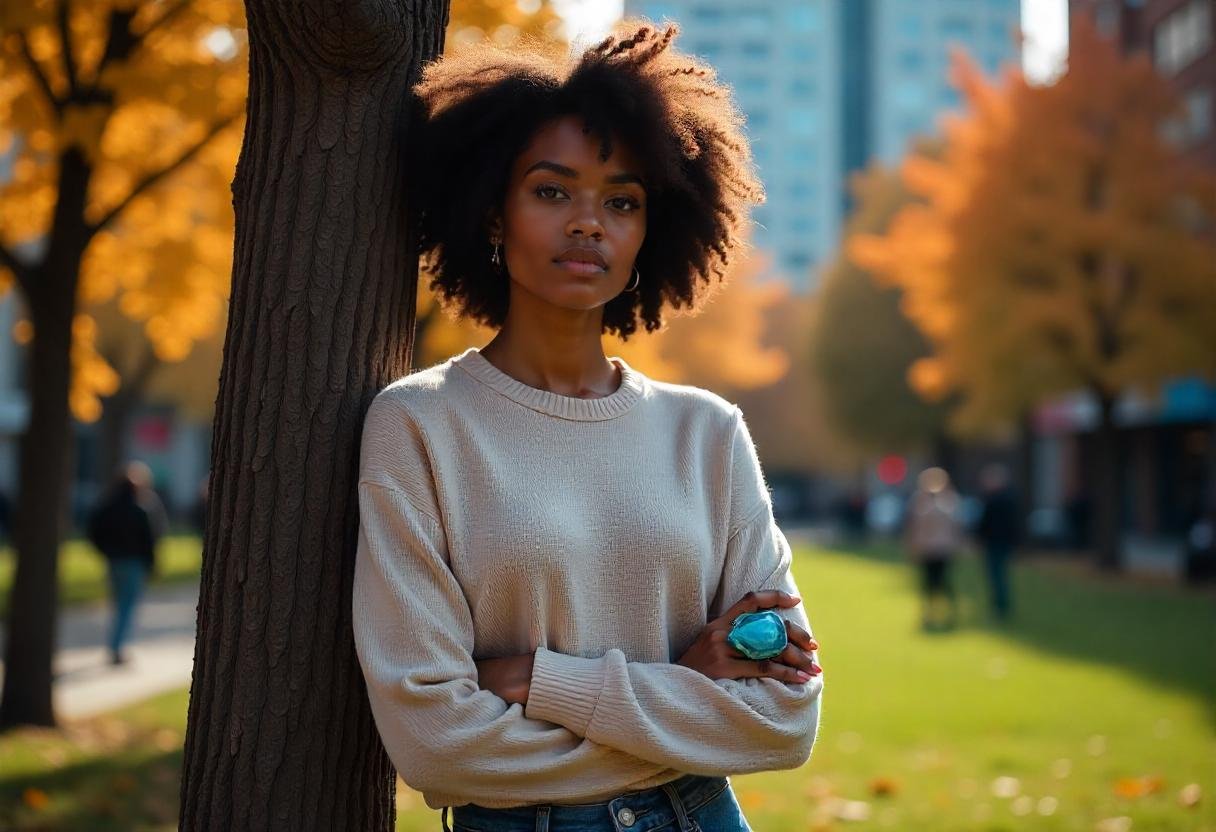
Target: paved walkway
x,y
161,650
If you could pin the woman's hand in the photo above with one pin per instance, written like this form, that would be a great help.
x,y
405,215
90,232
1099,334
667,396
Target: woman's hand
x,y
711,655
509,677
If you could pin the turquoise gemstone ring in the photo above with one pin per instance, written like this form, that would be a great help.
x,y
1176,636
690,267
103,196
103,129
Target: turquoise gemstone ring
x,y
758,635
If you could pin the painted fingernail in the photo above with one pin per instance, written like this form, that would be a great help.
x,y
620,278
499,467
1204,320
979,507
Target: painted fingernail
x,y
804,676
816,668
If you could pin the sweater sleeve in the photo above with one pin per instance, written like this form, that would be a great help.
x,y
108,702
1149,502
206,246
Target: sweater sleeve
x,y
674,715
413,633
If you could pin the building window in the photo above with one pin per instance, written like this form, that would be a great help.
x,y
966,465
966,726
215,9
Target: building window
x,y
756,49
803,153
802,88
803,51
801,121
755,18
956,27
753,84
910,60
802,19
1183,36
1198,119
802,224
758,119
801,189
797,261
708,15
911,26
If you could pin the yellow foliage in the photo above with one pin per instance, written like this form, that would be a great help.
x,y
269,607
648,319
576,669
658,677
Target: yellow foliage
x,y
167,255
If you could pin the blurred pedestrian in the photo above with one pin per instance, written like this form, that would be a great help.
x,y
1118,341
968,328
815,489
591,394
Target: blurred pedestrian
x,y
932,538
125,527
997,531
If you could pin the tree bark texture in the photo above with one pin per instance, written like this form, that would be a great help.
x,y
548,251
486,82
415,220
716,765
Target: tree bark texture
x,y
280,734
44,459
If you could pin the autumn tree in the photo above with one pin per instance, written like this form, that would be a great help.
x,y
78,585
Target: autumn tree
x,y
121,119
1062,244
863,347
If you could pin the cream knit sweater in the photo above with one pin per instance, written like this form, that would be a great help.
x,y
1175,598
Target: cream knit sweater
x,y
498,519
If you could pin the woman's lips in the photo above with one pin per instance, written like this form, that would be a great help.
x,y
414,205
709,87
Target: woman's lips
x,y
579,267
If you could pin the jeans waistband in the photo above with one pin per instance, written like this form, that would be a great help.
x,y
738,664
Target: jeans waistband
x,y
638,811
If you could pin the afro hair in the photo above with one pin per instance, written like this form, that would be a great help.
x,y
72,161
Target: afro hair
x,y
481,105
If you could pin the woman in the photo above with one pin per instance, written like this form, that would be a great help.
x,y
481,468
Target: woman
x,y
553,546
933,534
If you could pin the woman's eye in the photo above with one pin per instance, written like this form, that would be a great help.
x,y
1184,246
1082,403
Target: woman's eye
x,y
545,191
625,203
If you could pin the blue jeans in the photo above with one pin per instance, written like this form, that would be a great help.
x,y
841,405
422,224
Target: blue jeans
x,y
691,803
996,558
127,576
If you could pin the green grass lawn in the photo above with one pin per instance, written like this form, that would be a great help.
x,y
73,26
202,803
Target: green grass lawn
x,y
1094,711
82,570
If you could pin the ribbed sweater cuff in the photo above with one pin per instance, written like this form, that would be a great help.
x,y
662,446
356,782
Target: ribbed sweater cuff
x,y
564,689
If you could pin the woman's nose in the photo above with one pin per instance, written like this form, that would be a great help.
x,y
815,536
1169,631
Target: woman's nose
x,y
585,222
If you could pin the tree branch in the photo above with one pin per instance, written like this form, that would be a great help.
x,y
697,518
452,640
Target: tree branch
x,y
62,14
152,178
21,271
181,6
122,42
39,77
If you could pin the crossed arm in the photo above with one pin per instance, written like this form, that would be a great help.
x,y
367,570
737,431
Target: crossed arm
x,y
586,725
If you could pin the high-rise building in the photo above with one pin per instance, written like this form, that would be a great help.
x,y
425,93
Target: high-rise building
x,y
827,85
782,60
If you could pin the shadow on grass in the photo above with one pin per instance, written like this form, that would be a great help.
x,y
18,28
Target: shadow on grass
x,y
1160,633
134,788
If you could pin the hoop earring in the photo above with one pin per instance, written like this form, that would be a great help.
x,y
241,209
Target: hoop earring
x,y
496,257
637,280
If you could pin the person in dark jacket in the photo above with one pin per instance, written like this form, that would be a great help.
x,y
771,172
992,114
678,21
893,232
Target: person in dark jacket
x,y
125,527
997,530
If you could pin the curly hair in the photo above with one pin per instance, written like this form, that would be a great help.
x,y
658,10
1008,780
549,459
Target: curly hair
x,y
482,104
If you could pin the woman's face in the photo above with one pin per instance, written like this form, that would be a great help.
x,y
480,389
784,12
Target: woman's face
x,y
572,225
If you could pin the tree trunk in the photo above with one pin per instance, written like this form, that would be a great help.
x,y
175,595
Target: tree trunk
x,y
44,459
280,733
1107,486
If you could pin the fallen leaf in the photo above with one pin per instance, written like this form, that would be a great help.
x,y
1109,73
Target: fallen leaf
x,y
883,787
35,798
1134,787
123,782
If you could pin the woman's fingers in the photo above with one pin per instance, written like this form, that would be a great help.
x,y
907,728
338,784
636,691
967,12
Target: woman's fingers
x,y
801,637
761,599
772,669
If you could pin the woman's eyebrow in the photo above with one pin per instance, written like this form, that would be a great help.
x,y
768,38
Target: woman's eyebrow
x,y
614,179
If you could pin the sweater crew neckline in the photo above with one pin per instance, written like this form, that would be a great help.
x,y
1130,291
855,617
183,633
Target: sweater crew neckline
x,y
554,404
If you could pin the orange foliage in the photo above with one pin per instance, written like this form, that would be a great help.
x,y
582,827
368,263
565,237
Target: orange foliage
x,y
1062,241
